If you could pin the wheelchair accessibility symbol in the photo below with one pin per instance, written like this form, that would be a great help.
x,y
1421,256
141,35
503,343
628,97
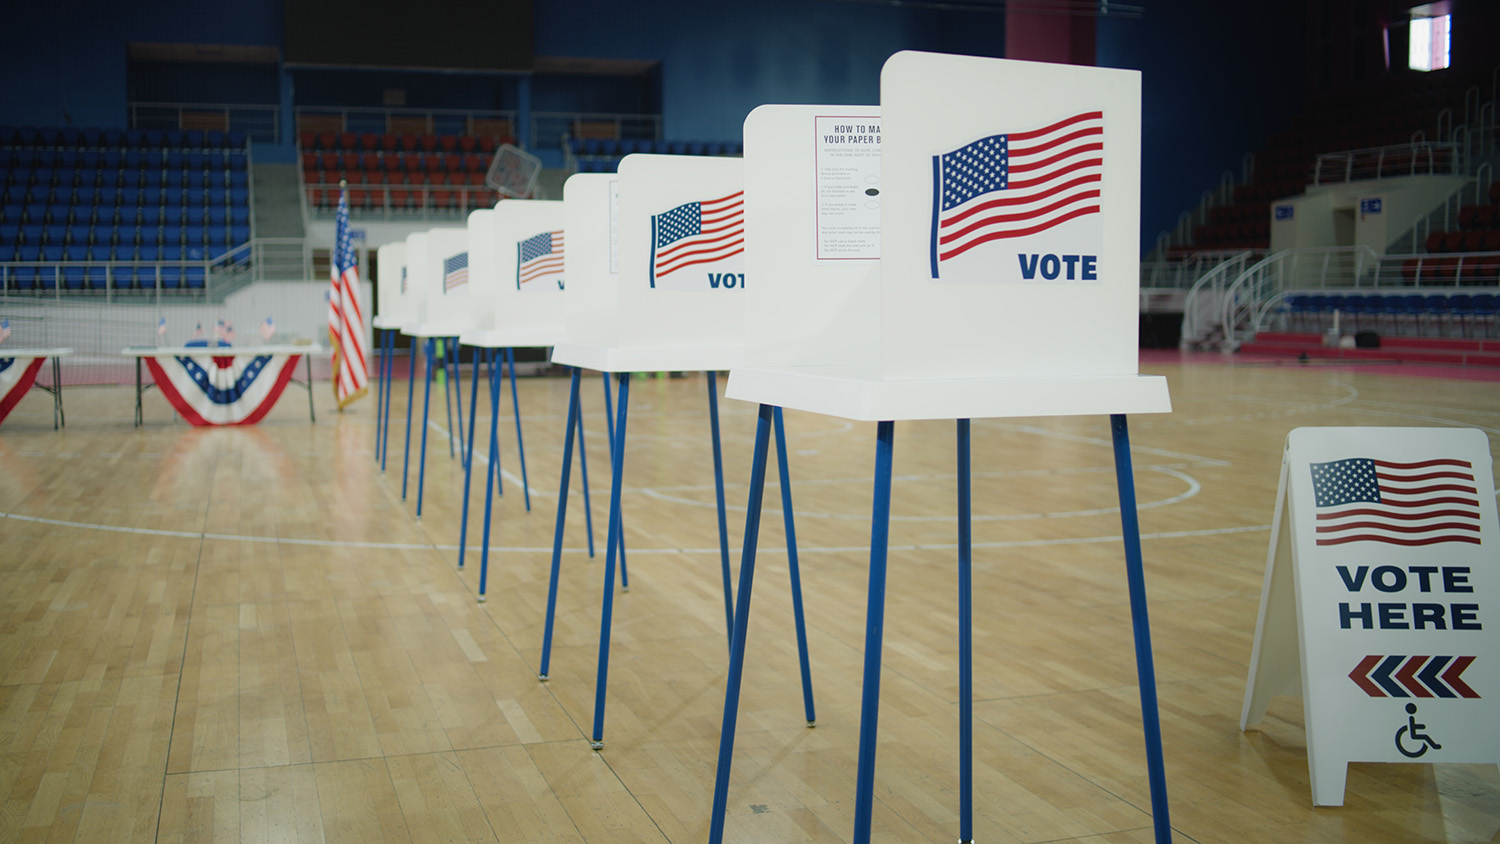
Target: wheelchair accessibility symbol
x,y
1411,733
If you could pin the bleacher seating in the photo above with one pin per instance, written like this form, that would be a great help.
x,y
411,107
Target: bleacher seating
x,y
1468,255
399,171
96,203
1396,111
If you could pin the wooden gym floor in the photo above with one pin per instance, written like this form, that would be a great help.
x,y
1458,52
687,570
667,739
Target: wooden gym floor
x,y
244,634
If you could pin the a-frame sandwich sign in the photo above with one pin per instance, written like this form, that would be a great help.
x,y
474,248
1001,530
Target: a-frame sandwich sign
x,y
1381,601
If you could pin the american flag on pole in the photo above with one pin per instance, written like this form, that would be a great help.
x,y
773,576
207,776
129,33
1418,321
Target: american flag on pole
x,y
455,272
540,257
346,320
1016,184
697,233
1420,503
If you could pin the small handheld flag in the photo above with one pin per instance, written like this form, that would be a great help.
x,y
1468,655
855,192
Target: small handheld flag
x,y
161,327
4,330
267,329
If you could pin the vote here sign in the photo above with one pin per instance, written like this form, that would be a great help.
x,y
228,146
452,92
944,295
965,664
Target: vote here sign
x,y
1395,575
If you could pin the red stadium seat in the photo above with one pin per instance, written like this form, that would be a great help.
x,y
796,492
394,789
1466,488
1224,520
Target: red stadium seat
x,y
388,141
448,143
466,143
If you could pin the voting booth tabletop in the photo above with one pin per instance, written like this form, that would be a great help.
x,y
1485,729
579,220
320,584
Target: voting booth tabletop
x,y
230,641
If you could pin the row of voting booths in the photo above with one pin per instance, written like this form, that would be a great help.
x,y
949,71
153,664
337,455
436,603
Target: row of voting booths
x,y
939,256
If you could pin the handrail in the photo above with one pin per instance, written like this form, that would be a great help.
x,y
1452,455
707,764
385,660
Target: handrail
x,y
259,121
424,201
1255,291
380,119
1387,162
1203,297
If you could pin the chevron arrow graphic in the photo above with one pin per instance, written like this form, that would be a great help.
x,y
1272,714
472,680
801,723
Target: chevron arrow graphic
x,y
1399,675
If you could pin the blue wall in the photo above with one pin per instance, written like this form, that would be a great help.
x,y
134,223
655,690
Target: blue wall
x,y
1216,78
67,59
723,59
1214,75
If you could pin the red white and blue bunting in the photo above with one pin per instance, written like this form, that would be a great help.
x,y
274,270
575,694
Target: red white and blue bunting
x,y
222,389
16,377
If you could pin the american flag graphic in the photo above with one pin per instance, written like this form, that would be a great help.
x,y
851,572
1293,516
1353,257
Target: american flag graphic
x,y
1422,503
267,329
161,327
455,272
697,233
1016,184
539,257
4,330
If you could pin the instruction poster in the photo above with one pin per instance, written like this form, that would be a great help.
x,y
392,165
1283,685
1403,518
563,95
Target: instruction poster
x,y
847,170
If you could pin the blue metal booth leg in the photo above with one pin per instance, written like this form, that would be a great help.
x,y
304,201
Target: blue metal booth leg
x,y
965,639
510,357
385,410
411,386
493,466
601,684
795,571
583,467
869,713
426,402
380,394
1145,669
562,517
740,625
713,424
463,523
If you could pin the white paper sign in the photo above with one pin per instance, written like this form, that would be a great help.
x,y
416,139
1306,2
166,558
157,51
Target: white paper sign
x,y
1386,541
847,170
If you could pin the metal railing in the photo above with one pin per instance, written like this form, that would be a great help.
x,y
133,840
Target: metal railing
x,y
263,259
1203,300
550,129
398,202
1413,159
1185,273
1260,287
439,121
258,122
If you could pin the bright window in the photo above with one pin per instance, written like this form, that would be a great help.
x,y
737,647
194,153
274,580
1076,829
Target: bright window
x,y
1429,43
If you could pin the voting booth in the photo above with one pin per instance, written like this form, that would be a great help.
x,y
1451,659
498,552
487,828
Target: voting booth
x,y
1000,280
390,289
436,268
1380,568
661,264
519,249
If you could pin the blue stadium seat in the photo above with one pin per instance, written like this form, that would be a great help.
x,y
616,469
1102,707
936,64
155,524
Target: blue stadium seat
x,y
132,159
239,179
113,137
75,252
68,136
55,233
194,251
218,195
7,252
193,138
135,138
214,139
172,139
192,235
238,233
151,197
10,233
218,215
194,277
196,180
153,177
23,278
239,161
172,179
96,276
171,250
148,251
239,196
235,139
171,215
193,215
32,233
171,277
194,161
73,276
216,164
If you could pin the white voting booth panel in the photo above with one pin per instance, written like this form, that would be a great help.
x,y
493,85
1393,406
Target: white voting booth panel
x,y
413,299
812,235
591,205
448,282
1010,221
391,283
681,268
1379,599
533,294
961,336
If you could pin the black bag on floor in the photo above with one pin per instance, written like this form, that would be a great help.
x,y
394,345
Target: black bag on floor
x,y
1366,340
